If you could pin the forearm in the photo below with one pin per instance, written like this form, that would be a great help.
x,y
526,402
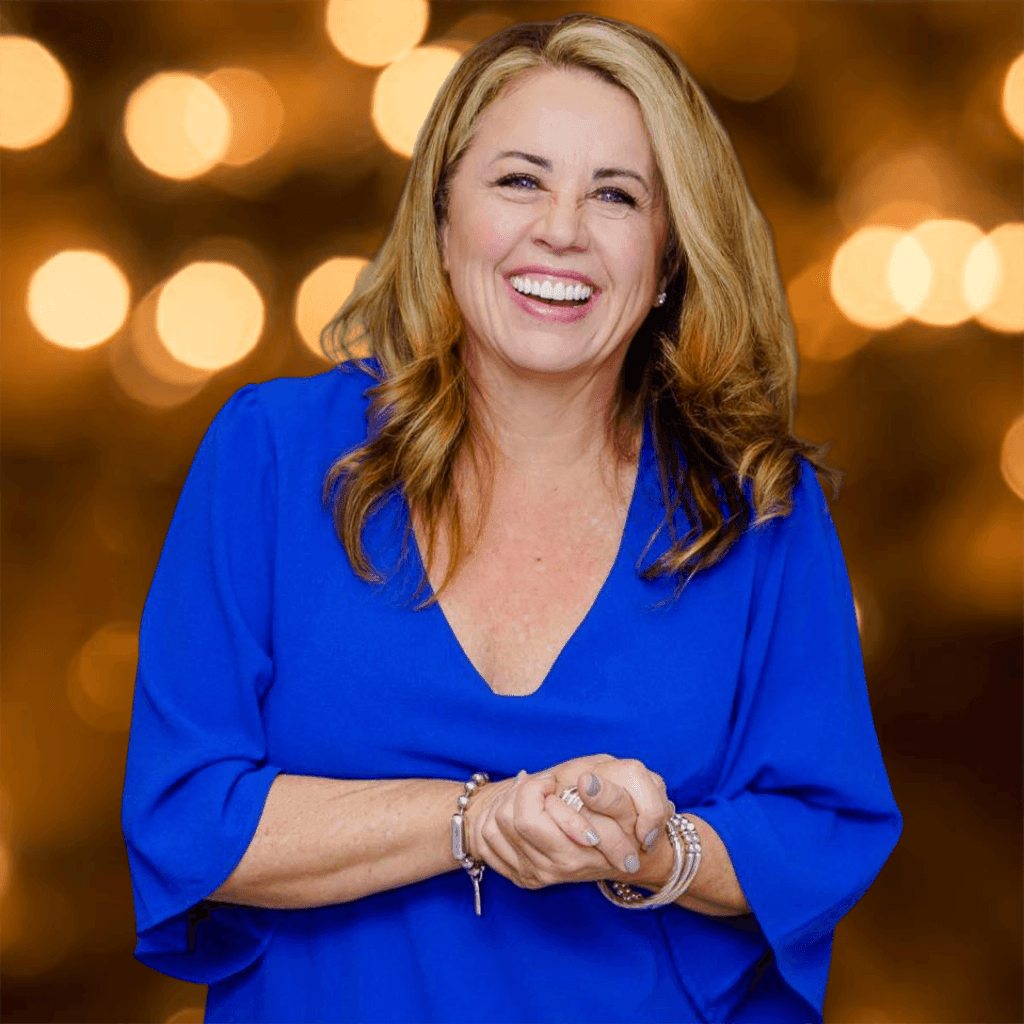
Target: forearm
x,y
322,841
715,890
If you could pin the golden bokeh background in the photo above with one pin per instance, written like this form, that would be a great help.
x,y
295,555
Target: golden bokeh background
x,y
189,192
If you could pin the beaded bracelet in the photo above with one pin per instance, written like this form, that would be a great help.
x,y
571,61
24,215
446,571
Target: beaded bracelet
x,y
459,851
682,833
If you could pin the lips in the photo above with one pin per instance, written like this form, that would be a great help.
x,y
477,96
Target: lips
x,y
548,313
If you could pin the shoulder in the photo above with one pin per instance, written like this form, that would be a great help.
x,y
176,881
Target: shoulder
x,y
287,410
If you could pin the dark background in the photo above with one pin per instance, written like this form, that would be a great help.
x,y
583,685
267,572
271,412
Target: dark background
x,y
930,527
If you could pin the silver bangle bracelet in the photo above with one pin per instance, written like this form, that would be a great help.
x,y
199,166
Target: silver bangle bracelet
x,y
475,868
686,847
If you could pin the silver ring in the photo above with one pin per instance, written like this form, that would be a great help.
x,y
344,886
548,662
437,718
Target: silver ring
x,y
572,797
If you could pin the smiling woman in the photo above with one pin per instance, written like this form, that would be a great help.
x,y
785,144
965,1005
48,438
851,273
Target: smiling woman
x,y
579,340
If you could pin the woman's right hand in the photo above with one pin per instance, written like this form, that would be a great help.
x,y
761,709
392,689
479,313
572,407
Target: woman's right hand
x,y
521,829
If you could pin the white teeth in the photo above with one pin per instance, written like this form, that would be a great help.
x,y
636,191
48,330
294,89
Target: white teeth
x,y
559,291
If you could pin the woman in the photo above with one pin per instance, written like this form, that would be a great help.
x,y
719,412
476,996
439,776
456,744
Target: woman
x,y
580,344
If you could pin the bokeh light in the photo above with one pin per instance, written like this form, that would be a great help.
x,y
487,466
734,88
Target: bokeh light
x,y
404,93
376,32
910,273
209,315
1005,309
322,294
39,927
744,51
78,299
177,125
35,93
256,112
6,868
860,278
144,369
101,677
981,274
1012,457
822,334
1013,96
946,246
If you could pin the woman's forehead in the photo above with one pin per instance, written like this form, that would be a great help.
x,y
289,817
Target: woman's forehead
x,y
565,115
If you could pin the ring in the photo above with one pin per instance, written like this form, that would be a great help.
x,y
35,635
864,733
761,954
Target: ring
x,y
572,797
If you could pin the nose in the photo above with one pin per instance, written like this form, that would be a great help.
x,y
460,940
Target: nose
x,y
561,225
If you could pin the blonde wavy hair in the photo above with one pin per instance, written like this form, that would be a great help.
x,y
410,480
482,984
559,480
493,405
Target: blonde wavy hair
x,y
715,366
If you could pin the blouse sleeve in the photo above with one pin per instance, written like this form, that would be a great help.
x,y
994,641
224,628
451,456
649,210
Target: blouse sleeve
x,y
197,775
803,803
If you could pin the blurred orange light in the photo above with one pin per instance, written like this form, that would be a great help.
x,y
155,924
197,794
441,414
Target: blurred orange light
x,y
376,32
860,278
981,273
946,246
256,111
35,93
101,677
822,333
322,294
910,273
745,52
209,315
6,868
1005,309
1012,460
1013,96
78,299
404,92
177,125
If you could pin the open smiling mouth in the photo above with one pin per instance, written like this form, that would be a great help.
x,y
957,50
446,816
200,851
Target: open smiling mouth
x,y
559,294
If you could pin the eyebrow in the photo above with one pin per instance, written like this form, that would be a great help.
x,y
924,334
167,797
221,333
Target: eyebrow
x,y
601,172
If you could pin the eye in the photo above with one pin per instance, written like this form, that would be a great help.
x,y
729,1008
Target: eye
x,y
618,195
518,181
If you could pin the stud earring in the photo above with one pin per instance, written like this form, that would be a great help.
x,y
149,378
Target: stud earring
x,y
660,300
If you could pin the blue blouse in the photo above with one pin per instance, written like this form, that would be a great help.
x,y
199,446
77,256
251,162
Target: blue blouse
x,y
262,652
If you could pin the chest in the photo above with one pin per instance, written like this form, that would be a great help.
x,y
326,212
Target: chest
x,y
530,581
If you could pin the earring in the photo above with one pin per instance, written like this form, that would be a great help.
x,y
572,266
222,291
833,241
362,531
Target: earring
x,y
660,300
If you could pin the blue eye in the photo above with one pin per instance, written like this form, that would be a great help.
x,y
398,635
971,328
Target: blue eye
x,y
517,179
619,196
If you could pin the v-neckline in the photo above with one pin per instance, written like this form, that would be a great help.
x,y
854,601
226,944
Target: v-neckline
x,y
452,637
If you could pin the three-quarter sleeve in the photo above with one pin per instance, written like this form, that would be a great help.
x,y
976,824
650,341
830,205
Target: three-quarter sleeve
x,y
803,803
197,776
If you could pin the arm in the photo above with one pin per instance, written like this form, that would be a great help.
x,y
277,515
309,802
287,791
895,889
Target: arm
x,y
715,890
322,841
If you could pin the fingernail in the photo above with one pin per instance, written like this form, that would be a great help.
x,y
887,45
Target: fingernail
x,y
592,837
650,839
593,786
632,864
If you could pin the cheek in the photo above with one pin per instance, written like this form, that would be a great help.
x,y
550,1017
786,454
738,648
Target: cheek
x,y
485,237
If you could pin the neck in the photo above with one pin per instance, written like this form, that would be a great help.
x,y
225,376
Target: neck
x,y
544,426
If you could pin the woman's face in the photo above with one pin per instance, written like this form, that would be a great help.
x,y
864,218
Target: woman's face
x,y
558,189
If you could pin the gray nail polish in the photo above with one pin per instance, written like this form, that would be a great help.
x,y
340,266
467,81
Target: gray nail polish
x,y
593,786
632,864
650,839
592,837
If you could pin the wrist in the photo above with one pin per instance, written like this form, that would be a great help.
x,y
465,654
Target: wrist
x,y
656,866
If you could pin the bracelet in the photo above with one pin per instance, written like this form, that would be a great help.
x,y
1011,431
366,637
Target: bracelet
x,y
686,847
459,851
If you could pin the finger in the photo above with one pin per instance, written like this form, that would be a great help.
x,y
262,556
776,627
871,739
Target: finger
x,y
639,788
571,822
615,845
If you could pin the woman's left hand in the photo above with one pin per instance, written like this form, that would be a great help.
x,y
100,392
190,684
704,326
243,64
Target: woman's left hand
x,y
625,790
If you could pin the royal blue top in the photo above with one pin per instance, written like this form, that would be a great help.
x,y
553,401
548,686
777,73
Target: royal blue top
x,y
262,652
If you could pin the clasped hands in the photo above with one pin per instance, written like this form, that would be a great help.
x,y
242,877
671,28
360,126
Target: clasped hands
x,y
522,829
